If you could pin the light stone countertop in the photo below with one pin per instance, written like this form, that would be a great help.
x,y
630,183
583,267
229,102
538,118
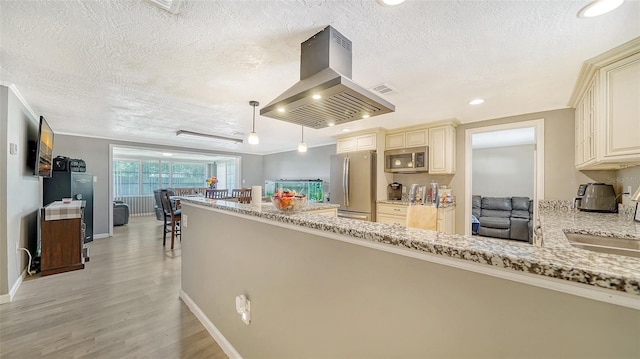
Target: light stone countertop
x,y
556,259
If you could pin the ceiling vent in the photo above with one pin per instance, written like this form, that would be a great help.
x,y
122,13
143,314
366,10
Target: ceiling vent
x,y
383,89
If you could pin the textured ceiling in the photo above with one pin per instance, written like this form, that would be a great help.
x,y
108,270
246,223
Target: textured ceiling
x,y
130,70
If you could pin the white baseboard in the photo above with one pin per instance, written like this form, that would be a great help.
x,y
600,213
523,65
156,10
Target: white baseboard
x,y
228,349
6,298
101,235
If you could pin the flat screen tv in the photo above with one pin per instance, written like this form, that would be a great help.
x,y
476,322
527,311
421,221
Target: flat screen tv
x,y
44,151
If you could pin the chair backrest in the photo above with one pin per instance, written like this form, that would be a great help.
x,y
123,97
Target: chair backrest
x,y
242,194
217,193
166,203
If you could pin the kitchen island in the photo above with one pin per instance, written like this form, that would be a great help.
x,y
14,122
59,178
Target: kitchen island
x,y
322,286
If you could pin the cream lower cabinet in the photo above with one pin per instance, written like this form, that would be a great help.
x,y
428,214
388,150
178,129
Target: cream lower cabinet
x,y
607,112
447,220
329,212
392,214
397,214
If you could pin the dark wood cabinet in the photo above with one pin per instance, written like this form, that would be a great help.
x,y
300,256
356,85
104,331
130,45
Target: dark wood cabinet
x,y
61,245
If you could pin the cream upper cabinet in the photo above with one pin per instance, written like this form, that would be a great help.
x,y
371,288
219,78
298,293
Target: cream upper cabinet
x,y
620,115
416,138
585,123
442,149
413,138
607,115
356,143
394,141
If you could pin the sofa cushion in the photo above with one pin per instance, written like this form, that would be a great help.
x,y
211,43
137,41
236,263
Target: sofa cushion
x,y
520,214
494,232
520,203
494,213
496,203
495,222
520,229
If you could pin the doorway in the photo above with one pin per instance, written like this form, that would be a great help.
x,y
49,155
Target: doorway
x,y
513,141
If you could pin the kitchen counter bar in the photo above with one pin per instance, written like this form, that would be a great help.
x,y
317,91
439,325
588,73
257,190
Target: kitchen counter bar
x,y
326,287
557,259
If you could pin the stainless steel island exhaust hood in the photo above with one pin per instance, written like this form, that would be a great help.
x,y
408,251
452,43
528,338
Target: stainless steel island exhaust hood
x,y
326,95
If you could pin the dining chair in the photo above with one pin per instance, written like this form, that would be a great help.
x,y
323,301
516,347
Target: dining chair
x,y
172,219
217,193
243,195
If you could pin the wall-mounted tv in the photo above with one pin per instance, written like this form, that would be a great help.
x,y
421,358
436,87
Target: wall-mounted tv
x,y
44,153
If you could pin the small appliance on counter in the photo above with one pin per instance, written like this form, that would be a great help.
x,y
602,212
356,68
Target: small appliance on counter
x,y
596,197
418,195
394,191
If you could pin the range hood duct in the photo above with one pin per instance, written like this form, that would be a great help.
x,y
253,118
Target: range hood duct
x,y
325,70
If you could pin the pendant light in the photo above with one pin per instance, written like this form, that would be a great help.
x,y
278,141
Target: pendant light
x,y
302,147
253,136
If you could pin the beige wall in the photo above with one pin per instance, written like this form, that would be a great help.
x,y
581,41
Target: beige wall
x,y
503,171
561,179
20,192
627,177
316,297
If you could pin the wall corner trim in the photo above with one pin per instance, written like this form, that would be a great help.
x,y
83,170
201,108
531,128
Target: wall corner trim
x,y
20,97
226,346
6,298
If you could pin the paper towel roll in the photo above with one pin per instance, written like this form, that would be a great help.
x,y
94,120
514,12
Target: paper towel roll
x,y
256,194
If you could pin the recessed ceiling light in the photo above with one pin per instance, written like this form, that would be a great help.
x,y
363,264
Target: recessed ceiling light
x,y
345,130
167,154
599,7
316,97
281,109
331,124
390,2
476,101
365,116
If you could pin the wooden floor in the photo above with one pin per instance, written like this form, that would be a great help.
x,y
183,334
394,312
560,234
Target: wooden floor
x,y
124,304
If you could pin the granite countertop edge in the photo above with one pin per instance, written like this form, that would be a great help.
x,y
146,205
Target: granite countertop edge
x,y
556,259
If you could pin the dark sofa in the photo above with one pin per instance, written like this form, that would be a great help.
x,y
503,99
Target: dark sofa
x,y
504,217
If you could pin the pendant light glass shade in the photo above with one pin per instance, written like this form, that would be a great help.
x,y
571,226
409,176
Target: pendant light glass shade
x,y
302,147
253,136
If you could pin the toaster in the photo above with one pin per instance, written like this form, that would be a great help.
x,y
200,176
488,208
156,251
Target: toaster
x,y
596,197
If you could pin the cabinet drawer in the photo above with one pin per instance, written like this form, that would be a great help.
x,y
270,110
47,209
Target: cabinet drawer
x,y
398,210
388,219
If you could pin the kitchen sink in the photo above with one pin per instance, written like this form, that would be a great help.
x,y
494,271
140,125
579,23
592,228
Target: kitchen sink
x,y
611,245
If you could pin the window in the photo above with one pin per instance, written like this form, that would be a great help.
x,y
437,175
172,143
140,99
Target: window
x,y
188,174
141,176
126,177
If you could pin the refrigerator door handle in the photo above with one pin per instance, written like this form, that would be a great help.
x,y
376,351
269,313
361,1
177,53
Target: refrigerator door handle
x,y
347,164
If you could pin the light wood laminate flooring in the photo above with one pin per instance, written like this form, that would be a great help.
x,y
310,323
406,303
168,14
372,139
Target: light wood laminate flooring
x,y
124,304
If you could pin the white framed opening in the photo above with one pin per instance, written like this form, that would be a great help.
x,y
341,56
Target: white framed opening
x,y
538,170
168,174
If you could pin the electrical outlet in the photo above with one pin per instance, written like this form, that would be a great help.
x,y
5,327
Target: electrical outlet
x,y
184,220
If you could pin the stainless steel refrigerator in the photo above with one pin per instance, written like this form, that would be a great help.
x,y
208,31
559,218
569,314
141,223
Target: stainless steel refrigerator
x,y
353,184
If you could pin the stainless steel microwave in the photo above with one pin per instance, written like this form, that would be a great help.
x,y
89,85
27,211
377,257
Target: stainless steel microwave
x,y
407,160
